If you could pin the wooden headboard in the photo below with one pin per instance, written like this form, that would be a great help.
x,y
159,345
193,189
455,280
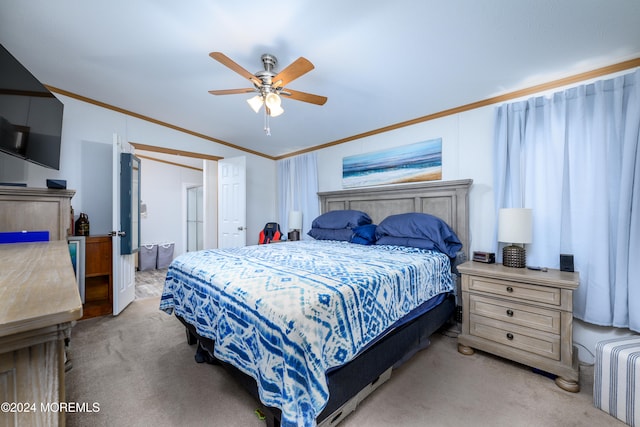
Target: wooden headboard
x,y
447,200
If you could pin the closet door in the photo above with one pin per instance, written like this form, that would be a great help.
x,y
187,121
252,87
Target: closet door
x,y
125,222
129,204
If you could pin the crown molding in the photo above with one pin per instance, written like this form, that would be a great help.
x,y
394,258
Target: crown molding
x,y
599,72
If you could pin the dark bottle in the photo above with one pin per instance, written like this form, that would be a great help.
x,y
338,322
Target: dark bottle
x,y
82,225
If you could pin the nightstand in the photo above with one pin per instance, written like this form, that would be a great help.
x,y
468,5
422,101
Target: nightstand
x,y
522,315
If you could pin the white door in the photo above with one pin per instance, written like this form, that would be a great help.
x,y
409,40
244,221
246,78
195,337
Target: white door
x,y
124,285
232,208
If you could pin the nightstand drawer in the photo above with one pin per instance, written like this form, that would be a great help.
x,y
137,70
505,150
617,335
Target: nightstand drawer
x,y
508,311
529,293
521,338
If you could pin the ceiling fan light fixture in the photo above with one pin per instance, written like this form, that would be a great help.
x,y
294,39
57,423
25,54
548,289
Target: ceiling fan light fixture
x,y
269,84
276,110
272,100
255,103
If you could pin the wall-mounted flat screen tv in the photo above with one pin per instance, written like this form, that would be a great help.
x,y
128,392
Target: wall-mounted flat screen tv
x,y
30,115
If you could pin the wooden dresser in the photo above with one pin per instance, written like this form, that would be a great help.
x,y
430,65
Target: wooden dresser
x,y
39,303
522,315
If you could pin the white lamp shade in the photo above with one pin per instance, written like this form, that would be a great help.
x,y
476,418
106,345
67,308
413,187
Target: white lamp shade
x,y
295,220
275,111
255,103
515,225
272,102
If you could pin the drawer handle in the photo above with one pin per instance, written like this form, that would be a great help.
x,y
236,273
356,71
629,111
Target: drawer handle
x,y
509,289
510,313
509,336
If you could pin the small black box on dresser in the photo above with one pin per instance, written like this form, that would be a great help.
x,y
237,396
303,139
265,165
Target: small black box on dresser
x,y
57,184
486,257
566,262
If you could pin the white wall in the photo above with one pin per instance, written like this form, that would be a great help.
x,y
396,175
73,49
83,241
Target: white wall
x,y
163,188
466,153
87,135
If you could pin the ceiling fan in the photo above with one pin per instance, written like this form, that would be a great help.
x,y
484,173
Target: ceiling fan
x,y
269,84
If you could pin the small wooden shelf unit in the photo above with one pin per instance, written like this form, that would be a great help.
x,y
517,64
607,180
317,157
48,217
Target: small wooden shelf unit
x,y
98,282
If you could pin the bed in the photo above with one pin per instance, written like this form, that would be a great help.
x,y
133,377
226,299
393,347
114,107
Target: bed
x,y
312,362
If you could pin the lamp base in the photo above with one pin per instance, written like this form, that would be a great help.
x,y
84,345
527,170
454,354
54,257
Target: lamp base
x,y
514,256
293,236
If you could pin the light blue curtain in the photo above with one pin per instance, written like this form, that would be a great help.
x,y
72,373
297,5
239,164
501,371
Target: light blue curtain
x,y
298,190
574,158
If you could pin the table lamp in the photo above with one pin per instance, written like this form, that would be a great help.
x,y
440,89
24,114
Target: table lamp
x,y
514,227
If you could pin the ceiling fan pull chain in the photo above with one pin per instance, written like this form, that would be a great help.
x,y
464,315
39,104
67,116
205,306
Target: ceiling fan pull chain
x,y
267,129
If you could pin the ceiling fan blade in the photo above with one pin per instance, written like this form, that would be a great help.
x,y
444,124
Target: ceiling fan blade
x,y
231,91
296,69
304,97
228,62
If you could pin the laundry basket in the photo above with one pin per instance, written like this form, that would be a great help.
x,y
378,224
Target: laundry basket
x,y
147,257
165,255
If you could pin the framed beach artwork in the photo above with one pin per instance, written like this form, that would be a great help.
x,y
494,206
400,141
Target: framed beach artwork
x,y
420,161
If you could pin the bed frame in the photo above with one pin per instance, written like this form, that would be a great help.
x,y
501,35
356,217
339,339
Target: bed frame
x,y
351,383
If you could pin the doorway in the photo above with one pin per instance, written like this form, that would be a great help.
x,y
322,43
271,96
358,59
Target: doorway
x,y
195,218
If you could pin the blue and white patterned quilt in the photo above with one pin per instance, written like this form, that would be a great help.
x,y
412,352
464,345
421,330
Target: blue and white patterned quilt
x,y
286,313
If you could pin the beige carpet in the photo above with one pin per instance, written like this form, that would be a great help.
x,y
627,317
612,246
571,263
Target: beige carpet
x,y
139,369
149,283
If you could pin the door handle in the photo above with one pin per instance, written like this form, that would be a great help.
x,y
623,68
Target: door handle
x,y
241,228
118,233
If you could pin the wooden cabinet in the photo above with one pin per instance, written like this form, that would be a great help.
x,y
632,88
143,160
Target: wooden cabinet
x,y
522,315
98,282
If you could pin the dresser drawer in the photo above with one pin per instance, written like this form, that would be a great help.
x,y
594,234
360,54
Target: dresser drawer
x,y
522,291
521,338
539,318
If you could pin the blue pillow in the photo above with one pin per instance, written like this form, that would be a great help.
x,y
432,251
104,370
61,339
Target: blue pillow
x,y
341,219
364,234
331,234
406,241
421,226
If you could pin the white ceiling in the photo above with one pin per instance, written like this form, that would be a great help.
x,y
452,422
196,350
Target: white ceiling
x,y
379,63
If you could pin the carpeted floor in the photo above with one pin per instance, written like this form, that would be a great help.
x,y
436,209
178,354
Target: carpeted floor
x,y
140,371
149,283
